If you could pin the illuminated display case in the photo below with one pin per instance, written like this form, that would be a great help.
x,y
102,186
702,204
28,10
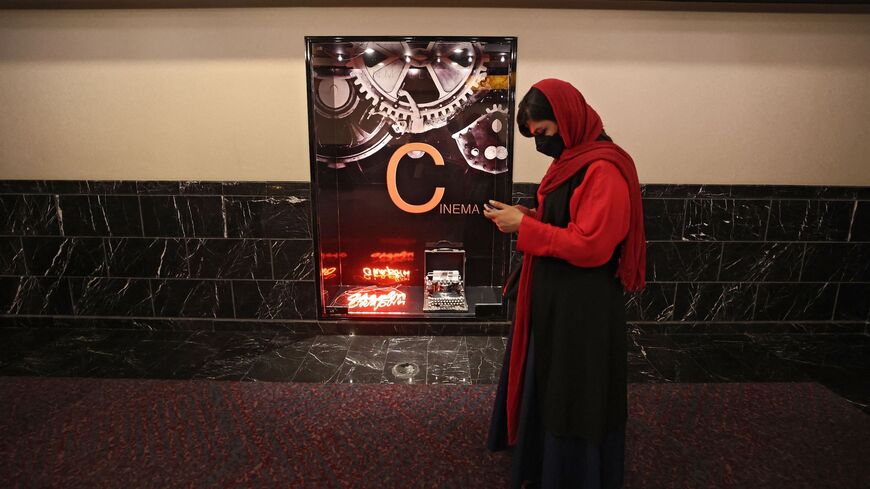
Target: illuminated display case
x,y
409,137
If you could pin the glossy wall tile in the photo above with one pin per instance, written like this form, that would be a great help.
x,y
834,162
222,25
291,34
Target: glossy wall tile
x,y
223,256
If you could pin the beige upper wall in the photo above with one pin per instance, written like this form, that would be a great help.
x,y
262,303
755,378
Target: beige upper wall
x,y
220,94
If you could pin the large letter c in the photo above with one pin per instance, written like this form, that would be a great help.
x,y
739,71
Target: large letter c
x,y
391,178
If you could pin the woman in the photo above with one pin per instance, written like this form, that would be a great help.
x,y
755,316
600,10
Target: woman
x,y
561,402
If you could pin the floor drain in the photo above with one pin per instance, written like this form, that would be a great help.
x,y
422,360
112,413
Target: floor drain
x,y
405,370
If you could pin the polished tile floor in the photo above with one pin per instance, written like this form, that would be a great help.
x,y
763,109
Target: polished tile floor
x,y
839,361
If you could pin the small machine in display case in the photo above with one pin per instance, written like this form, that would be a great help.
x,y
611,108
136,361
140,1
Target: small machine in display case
x,y
444,288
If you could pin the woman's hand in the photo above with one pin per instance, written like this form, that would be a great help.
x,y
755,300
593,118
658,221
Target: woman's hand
x,y
506,217
525,210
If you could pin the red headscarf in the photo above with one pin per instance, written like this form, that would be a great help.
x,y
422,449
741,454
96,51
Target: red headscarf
x,y
579,126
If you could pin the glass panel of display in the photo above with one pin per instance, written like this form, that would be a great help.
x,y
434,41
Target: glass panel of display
x,y
409,137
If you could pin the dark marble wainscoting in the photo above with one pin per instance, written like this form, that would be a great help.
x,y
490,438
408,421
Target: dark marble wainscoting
x,y
238,256
753,259
156,255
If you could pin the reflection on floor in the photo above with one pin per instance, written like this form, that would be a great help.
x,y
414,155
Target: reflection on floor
x,y
839,361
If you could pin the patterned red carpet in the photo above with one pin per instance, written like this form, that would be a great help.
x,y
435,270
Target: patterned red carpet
x,y
94,433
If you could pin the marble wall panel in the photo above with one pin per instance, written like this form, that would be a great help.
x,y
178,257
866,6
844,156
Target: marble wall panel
x,y
192,298
76,257
837,262
809,220
654,303
761,262
852,303
46,296
750,220
229,258
29,215
147,257
98,296
682,261
663,219
184,216
293,259
708,219
270,299
194,255
12,260
860,230
269,217
790,302
100,215
705,301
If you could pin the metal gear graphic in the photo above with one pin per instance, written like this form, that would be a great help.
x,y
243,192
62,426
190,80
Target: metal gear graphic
x,y
482,143
349,132
441,75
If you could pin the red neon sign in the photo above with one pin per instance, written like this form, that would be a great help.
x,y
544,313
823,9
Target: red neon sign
x,y
342,254
374,299
386,274
397,257
361,300
328,272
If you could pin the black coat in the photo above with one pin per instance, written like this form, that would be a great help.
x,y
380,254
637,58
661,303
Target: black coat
x,y
578,318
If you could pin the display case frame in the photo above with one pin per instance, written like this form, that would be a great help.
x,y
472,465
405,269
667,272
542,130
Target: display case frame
x,y
485,300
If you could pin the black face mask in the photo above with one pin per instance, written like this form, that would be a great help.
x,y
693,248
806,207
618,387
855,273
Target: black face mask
x,y
550,145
